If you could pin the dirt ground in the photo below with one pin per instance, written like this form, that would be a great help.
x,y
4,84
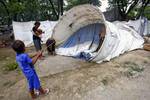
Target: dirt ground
x,y
123,78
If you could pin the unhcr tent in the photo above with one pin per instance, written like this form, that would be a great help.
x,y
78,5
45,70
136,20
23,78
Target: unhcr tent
x,y
78,33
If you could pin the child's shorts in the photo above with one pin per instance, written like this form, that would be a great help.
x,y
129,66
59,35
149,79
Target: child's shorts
x,y
37,44
33,82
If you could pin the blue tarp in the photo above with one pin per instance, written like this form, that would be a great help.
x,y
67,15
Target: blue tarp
x,y
83,43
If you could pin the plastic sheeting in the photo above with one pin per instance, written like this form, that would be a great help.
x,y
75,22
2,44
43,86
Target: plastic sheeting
x,y
74,19
23,31
83,42
119,37
140,26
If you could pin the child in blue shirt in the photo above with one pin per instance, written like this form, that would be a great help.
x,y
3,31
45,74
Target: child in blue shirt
x,y
26,64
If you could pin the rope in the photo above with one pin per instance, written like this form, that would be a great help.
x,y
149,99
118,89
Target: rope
x,y
47,47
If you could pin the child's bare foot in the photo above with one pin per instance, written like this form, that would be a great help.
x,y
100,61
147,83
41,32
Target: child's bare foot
x,y
46,91
43,91
34,95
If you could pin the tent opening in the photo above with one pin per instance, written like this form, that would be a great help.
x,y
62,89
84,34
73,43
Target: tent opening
x,y
85,42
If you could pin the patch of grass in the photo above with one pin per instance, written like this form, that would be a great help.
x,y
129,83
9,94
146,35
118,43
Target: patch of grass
x,y
129,73
129,64
132,69
18,71
137,68
10,66
104,81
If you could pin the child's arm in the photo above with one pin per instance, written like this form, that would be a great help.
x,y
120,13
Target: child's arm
x,y
31,55
36,57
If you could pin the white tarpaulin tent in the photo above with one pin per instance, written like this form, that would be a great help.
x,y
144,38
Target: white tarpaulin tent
x,y
77,31
23,31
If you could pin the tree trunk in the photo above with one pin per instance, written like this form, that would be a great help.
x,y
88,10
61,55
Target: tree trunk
x,y
60,7
54,11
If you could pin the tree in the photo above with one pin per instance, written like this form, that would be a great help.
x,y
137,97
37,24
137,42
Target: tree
x,y
27,10
60,7
72,3
142,8
126,6
4,11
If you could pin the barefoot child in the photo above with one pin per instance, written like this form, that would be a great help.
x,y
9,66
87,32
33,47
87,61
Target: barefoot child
x,y
50,44
26,64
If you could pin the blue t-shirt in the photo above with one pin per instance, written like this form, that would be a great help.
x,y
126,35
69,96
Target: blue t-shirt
x,y
25,63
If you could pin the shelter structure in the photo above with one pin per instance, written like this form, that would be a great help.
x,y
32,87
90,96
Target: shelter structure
x,y
79,29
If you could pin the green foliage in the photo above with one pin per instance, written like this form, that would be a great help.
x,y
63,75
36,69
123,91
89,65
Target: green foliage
x,y
147,12
10,66
124,7
27,10
128,8
16,7
72,3
135,12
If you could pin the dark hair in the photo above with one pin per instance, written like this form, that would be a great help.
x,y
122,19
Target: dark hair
x,y
37,23
18,46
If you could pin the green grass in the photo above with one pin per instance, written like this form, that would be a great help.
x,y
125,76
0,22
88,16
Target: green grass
x,y
132,69
10,66
137,69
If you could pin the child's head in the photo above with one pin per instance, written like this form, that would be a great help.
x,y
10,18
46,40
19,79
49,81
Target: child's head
x,y
18,46
37,23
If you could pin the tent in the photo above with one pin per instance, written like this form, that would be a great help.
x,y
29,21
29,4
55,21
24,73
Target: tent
x,y
77,33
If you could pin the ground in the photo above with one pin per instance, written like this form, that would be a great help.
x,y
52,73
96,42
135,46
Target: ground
x,y
123,78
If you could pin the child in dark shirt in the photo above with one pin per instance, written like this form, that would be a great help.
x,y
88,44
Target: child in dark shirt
x,y
36,36
26,64
50,44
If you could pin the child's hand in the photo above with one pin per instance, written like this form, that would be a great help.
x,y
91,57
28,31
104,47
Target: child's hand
x,y
39,54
